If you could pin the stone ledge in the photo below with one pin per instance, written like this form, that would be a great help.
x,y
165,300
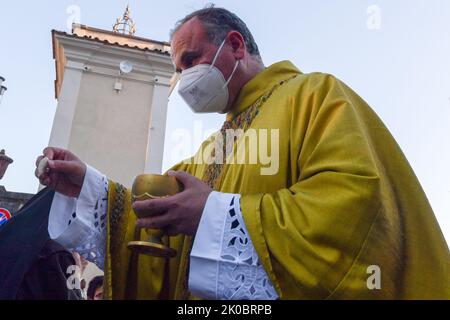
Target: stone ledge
x,y
13,201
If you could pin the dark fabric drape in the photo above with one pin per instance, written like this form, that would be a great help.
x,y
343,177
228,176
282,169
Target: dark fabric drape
x,y
32,266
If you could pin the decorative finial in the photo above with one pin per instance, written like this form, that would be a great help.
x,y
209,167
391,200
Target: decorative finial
x,y
125,25
5,161
4,157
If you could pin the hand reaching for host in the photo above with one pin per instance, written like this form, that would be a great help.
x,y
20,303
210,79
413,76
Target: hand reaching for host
x,y
63,172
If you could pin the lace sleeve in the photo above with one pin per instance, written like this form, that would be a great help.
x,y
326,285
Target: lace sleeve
x,y
80,224
224,262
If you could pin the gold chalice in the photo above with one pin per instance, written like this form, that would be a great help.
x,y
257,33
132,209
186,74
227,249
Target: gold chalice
x,y
147,187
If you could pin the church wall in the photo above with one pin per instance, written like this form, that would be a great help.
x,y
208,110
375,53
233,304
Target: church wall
x,y
65,111
110,129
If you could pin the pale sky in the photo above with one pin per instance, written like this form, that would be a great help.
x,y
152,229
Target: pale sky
x,y
395,54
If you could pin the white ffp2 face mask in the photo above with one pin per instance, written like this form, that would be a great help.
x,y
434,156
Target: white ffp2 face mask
x,y
204,87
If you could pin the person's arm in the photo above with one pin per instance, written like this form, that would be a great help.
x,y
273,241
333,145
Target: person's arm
x,y
79,224
101,237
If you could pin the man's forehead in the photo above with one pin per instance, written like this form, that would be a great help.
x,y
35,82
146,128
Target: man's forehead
x,y
190,37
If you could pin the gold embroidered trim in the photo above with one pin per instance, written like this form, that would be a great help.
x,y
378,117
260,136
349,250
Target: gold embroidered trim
x,y
117,212
213,173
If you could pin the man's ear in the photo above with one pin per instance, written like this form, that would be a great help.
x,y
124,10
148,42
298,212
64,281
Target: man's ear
x,y
237,43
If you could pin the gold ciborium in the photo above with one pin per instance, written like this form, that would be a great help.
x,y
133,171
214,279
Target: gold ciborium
x,y
148,187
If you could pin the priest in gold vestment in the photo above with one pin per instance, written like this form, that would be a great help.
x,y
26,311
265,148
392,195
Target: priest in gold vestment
x,y
337,214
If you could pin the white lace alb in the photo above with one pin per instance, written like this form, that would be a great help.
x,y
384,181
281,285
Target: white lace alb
x,y
224,263
93,249
80,224
241,275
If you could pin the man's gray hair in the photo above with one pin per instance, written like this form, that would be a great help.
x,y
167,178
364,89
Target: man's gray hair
x,y
218,22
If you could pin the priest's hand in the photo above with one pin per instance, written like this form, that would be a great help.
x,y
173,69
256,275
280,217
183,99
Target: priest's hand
x,y
179,214
65,172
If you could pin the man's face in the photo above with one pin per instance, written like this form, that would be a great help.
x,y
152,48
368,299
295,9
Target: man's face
x,y
98,294
190,47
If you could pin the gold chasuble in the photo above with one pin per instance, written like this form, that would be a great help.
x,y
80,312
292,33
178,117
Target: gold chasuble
x,y
342,206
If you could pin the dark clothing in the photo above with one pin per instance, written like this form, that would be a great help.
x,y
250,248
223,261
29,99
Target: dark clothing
x,y
32,266
47,277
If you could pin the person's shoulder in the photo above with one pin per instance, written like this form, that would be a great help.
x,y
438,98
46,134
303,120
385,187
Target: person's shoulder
x,y
310,91
314,86
315,81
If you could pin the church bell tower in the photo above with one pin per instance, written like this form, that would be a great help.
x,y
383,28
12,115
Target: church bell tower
x,y
112,89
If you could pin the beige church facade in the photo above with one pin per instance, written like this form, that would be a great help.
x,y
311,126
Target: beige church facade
x,y
112,90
